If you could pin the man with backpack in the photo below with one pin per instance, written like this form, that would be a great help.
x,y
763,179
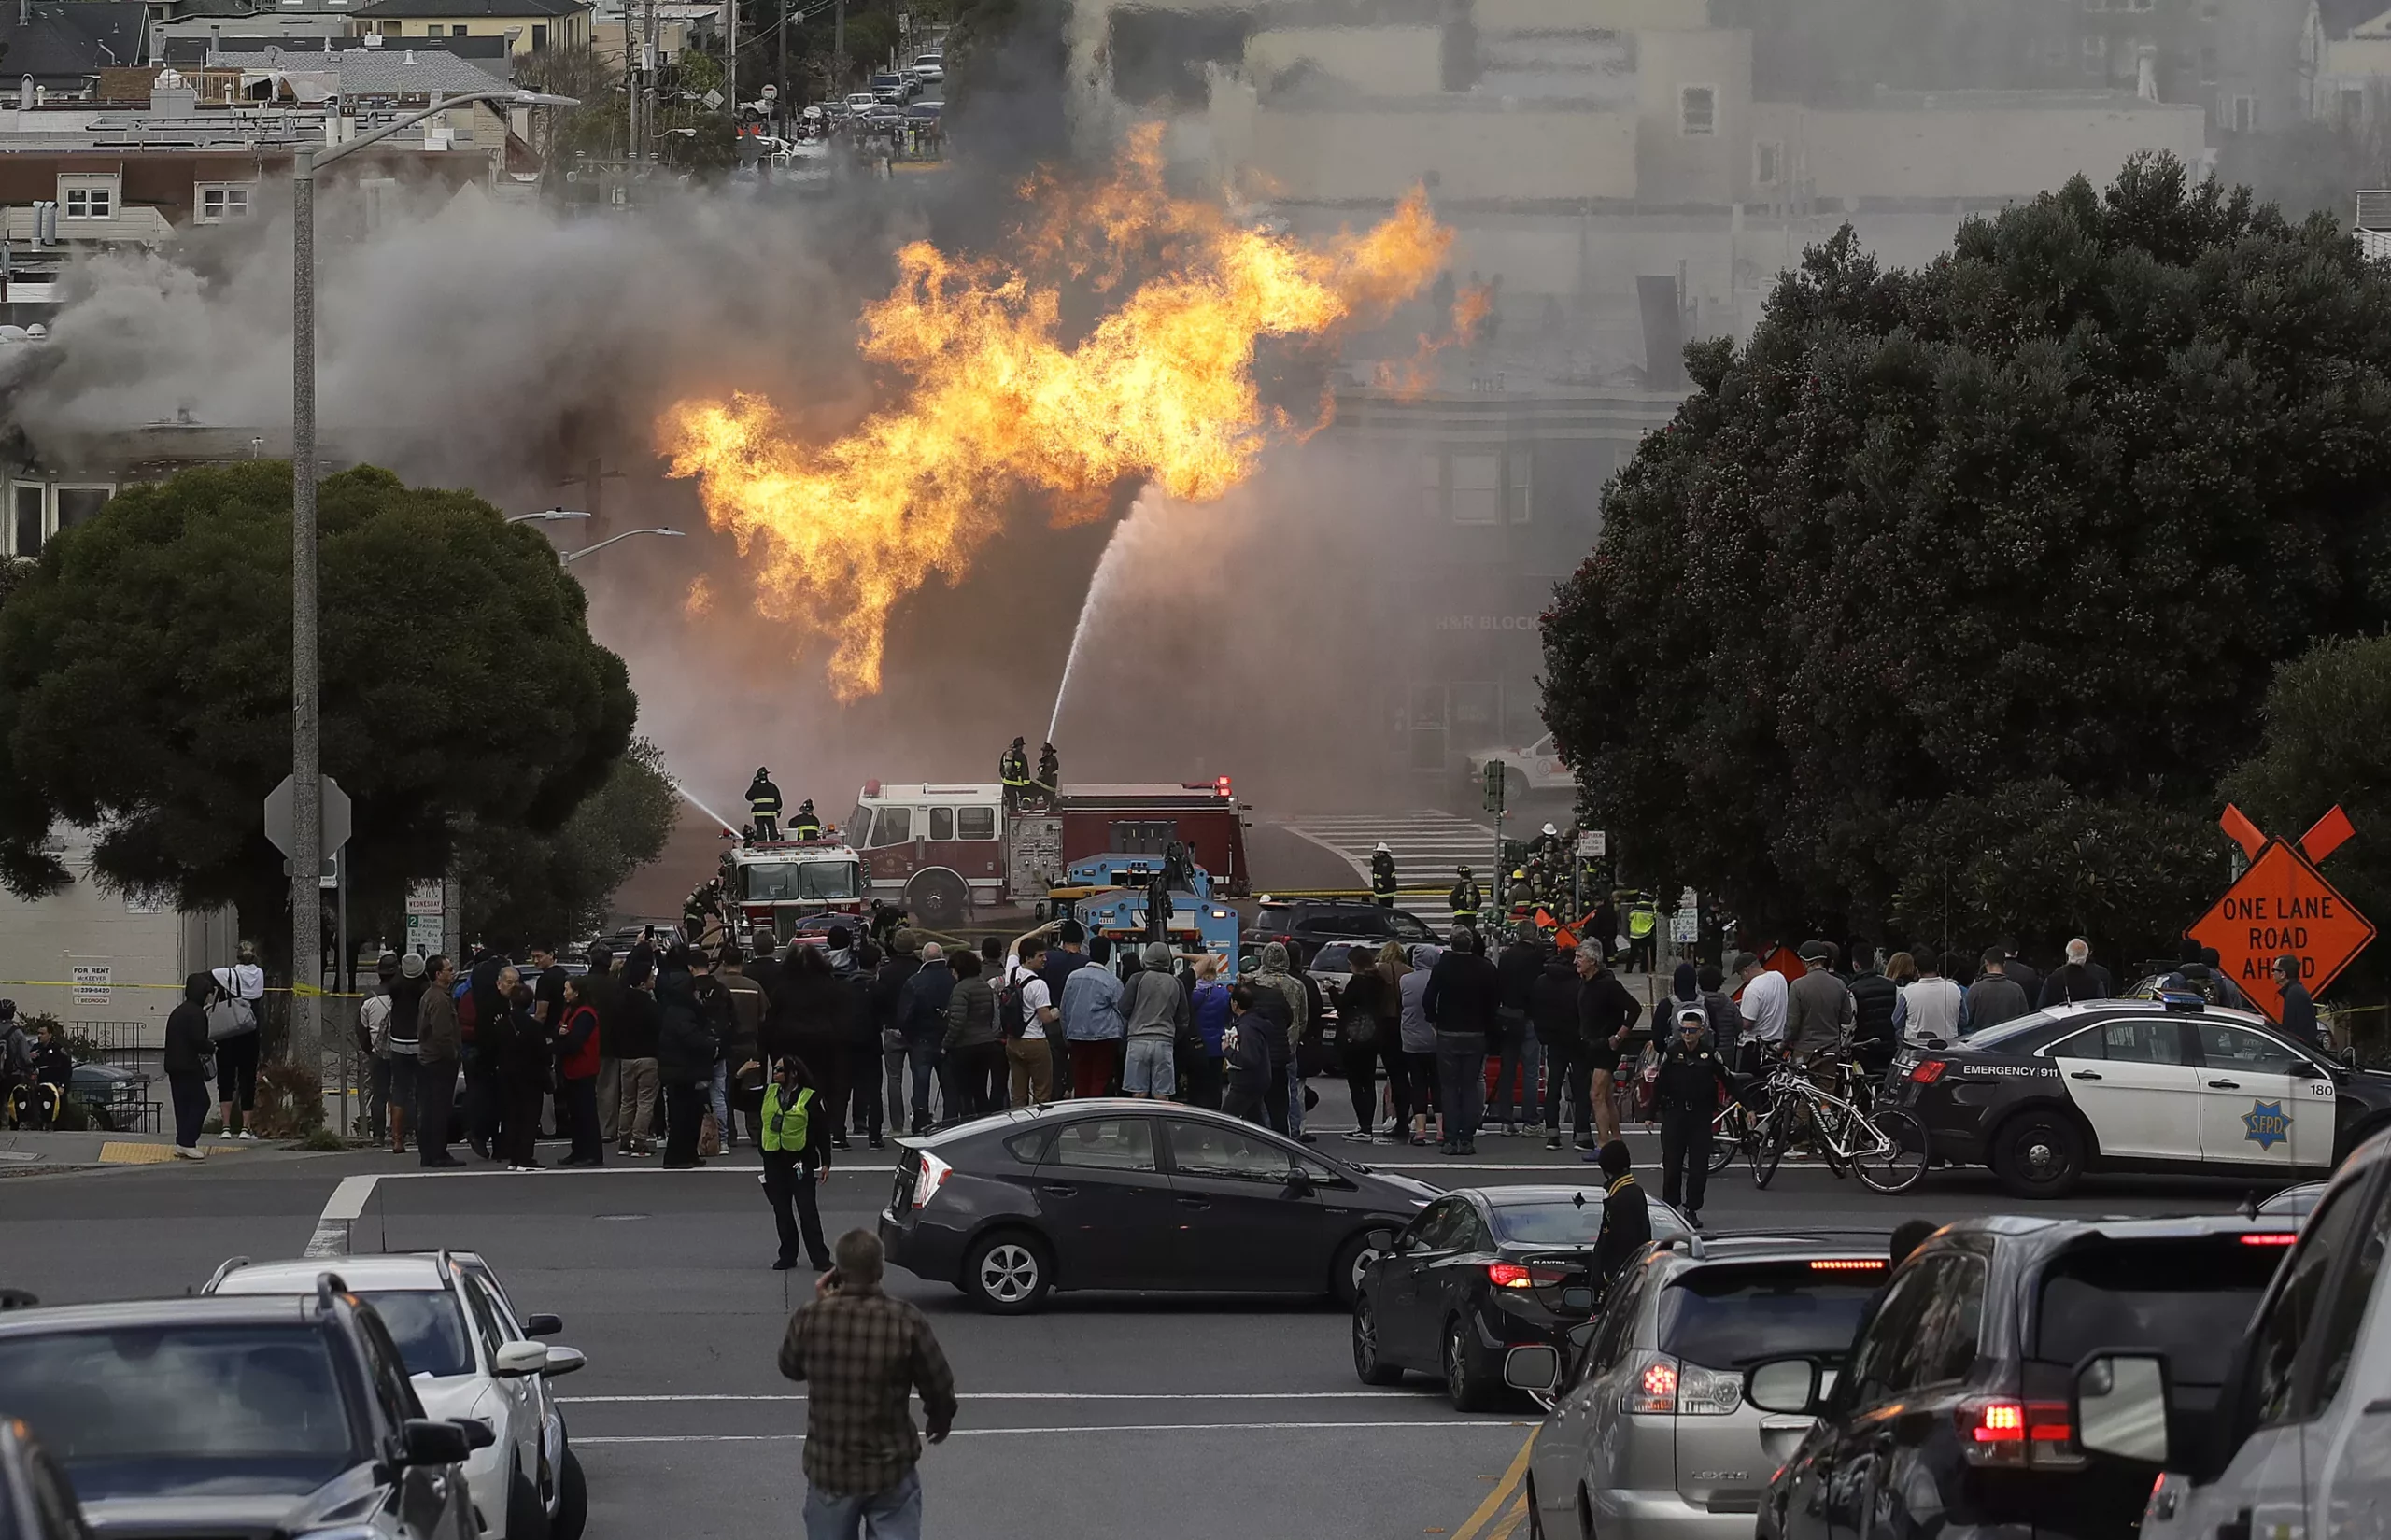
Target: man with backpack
x,y
1025,1009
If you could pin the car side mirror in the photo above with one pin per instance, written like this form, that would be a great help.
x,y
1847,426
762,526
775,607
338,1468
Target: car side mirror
x,y
2119,1406
478,1433
1299,1183
543,1325
2306,1070
1537,1367
564,1360
516,1360
425,1442
1792,1385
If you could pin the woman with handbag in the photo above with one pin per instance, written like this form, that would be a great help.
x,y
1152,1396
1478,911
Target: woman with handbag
x,y
188,1057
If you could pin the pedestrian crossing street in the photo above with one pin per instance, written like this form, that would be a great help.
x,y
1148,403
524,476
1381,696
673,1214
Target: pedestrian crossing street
x,y
1426,844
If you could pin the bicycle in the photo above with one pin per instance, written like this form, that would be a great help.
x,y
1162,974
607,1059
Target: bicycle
x,y
1886,1148
1734,1129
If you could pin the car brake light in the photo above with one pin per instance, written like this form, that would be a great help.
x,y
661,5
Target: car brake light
x,y
2267,1238
1927,1071
933,1176
1848,1265
1664,1387
1512,1275
2003,1431
1656,1388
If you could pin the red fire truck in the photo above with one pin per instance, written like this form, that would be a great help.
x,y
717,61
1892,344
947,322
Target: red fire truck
x,y
943,850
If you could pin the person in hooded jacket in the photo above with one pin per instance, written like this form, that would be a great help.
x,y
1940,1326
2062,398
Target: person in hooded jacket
x,y
188,1056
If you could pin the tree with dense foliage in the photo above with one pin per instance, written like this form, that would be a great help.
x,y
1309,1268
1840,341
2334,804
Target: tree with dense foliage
x,y
2327,740
524,886
144,686
1947,600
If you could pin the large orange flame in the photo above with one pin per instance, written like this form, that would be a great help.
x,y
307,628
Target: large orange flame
x,y
1160,386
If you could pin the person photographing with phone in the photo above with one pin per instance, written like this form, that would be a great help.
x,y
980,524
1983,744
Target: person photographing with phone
x,y
861,1355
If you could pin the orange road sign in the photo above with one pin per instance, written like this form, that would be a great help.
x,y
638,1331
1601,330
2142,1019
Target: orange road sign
x,y
2283,906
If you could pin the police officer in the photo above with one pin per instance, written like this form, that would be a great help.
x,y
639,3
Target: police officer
x,y
809,822
1687,1093
764,804
1382,876
797,1158
1466,898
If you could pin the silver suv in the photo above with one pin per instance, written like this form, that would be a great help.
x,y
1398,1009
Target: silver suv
x,y
1649,1436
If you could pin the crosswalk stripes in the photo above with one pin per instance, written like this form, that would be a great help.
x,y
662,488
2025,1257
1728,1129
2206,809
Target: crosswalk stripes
x,y
1427,846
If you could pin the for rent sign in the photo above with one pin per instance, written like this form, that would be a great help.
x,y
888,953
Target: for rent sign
x,y
2283,906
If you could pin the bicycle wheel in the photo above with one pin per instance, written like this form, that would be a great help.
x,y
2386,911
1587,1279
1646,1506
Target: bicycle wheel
x,y
1727,1134
1831,1132
1774,1136
1898,1155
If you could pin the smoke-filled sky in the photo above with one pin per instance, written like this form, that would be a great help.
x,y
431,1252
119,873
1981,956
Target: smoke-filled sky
x,y
498,345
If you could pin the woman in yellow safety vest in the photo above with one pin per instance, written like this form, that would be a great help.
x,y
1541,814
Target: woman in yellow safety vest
x,y
797,1157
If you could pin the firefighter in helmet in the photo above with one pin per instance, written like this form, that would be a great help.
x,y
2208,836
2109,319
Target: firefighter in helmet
x,y
1382,876
1466,898
764,804
808,824
1014,771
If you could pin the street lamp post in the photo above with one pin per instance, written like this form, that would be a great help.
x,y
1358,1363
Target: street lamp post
x,y
545,515
571,556
307,790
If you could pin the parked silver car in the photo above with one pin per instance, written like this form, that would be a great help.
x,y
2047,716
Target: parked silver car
x,y
1649,1437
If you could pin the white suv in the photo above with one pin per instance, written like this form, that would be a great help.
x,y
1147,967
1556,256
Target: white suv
x,y
459,1336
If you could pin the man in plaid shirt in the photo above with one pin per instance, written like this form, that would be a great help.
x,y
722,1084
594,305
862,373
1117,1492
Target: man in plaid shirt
x,y
862,1354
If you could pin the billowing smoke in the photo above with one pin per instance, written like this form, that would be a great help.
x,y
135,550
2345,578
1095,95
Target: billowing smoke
x,y
506,346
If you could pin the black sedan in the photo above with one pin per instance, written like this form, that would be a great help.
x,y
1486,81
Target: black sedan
x,y
1138,1196
1482,1271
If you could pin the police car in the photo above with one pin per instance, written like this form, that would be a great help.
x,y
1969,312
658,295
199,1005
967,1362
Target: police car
x,y
2136,1085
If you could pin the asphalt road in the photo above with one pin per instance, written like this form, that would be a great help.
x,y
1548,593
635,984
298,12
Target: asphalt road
x,y
1104,1416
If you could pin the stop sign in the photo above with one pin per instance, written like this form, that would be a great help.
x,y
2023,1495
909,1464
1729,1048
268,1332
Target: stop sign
x,y
2282,905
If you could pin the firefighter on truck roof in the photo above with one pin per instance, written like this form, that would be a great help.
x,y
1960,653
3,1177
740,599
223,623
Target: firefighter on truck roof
x,y
764,804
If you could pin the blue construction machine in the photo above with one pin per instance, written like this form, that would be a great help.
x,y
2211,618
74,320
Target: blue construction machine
x,y
1106,894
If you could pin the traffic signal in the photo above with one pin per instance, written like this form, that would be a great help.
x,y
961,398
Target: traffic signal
x,y
1494,773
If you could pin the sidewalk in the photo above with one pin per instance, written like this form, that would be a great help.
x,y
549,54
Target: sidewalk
x,y
23,1151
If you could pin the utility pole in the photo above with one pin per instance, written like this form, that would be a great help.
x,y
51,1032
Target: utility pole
x,y
781,128
593,481
730,65
838,46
